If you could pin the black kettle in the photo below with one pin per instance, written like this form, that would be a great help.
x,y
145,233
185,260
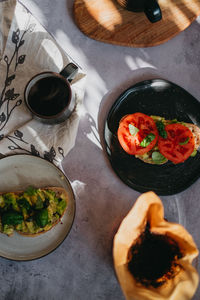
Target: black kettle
x,y
149,7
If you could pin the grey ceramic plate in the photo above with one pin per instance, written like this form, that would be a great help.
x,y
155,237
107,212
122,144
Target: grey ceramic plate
x,y
17,173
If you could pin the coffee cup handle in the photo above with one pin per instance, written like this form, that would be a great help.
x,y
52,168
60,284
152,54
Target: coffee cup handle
x,y
69,72
152,11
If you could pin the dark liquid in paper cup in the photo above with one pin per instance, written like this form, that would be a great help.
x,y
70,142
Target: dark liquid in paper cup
x,y
154,259
49,96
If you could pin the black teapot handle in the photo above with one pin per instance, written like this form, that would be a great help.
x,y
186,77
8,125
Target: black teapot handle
x,y
152,11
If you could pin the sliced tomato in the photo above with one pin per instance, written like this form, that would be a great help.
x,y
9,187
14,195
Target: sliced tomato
x,y
131,143
178,145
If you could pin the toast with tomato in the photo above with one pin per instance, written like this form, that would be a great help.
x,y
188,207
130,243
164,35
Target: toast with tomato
x,y
155,140
33,211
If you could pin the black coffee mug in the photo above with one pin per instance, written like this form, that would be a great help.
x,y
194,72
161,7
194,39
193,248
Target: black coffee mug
x,y
149,7
49,96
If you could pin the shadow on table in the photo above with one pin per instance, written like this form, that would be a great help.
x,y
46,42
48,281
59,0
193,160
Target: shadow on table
x,y
97,218
108,199
127,58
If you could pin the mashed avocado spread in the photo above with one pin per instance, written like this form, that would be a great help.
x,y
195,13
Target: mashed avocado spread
x,y
32,211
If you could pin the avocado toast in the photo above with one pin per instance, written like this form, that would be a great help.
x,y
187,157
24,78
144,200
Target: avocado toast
x,y
33,211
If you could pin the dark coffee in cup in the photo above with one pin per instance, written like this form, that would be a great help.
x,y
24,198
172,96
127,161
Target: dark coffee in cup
x,y
154,259
49,96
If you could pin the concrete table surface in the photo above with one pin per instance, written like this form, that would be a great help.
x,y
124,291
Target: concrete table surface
x,y
82,267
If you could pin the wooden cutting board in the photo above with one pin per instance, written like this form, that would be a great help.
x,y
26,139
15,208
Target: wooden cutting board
x,y
106,21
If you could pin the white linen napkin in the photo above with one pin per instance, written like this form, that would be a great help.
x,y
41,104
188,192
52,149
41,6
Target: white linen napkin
x,y
26,49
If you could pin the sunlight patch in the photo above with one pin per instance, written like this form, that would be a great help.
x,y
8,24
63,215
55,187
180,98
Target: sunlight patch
x,y
93,136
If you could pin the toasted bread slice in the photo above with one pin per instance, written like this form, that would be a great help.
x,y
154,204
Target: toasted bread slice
x,y
59,193
196,133
148,159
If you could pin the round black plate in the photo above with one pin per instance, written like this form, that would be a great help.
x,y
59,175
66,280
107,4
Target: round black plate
x,y
153,97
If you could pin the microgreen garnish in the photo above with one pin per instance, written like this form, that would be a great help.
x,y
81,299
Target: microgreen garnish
x,y
173,121
194,153
132,129
158,158
161,129
147,140
184,142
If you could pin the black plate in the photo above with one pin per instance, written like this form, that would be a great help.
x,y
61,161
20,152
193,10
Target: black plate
x,y
153,97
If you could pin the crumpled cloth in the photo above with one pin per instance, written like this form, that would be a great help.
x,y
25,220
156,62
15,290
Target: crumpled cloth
x,y
26,49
